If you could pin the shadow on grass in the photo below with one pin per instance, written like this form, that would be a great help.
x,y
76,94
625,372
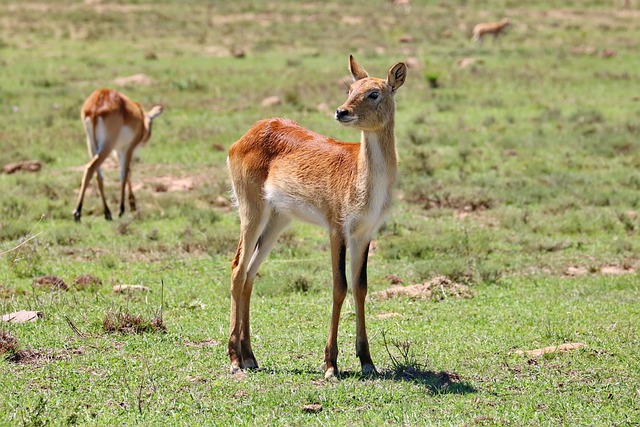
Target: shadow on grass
x,y
442,382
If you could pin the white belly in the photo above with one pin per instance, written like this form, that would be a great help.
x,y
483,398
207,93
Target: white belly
x,y
294,207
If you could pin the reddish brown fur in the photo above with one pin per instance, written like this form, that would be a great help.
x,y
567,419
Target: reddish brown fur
x,y
281,171
106,102
300,153
112,121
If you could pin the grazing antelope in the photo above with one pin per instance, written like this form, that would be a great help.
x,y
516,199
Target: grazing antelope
x,y
281,171
495,28
112,121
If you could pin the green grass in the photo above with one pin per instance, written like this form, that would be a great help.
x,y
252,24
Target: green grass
x,y
515,170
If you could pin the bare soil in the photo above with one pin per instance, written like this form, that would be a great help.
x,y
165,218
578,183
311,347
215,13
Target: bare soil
x,y
438,288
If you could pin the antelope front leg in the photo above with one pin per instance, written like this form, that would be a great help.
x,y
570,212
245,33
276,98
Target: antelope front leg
x,y
338,265
359,254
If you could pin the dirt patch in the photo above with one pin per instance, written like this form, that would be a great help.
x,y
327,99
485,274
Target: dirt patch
x,y
158,184
391,315
240,375
468,62
393,279
208,342
86,281
551,349
97,5
10,349
607,269
457,203
135,80
119,289
438,288
51,282
25,165
271,101
616,270
34,357
170,184
312,408
8,343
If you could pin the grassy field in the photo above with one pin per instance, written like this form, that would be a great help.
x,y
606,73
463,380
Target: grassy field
x,y
519,182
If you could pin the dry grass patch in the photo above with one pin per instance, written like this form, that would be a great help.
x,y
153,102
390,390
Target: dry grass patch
x,y
25,165
124,322
119,289
6,292
551,349
207,342
51,282
8,343
607,269
438,288
87,281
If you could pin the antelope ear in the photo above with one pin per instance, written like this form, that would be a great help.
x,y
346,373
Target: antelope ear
x,y
397,75
357,72
155,111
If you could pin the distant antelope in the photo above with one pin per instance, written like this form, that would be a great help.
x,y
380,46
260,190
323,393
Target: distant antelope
x,y
112,121
495,28
281,171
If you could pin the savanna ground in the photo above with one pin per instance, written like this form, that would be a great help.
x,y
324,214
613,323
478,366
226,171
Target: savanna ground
x,y
519,182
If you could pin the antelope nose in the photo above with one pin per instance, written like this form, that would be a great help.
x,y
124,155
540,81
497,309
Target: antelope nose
x,y
341,113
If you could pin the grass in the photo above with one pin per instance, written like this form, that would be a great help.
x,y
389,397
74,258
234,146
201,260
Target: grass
x,y
519,178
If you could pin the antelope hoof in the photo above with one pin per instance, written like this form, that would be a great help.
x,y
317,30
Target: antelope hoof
x,y
107,216
234,368
249,364
369,370
76,216
330,373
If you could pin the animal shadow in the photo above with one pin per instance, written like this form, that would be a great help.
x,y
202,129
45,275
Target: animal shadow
x,y
443,382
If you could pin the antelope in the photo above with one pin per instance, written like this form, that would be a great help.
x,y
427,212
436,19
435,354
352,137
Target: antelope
x,y
495,28
281,171
112,121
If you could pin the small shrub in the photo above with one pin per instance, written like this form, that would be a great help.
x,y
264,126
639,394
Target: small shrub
x,y
124,322
8,345
87,281
405,362
123,228
50,281
300,284
188,85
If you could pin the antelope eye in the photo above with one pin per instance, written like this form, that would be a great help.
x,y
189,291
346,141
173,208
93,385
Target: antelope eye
x,y
374,95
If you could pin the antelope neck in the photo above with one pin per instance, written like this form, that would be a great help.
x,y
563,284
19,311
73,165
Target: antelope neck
x,y
378,153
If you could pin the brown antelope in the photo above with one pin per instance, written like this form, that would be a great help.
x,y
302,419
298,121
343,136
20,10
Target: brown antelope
x,y
112,121
281,171
495,28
